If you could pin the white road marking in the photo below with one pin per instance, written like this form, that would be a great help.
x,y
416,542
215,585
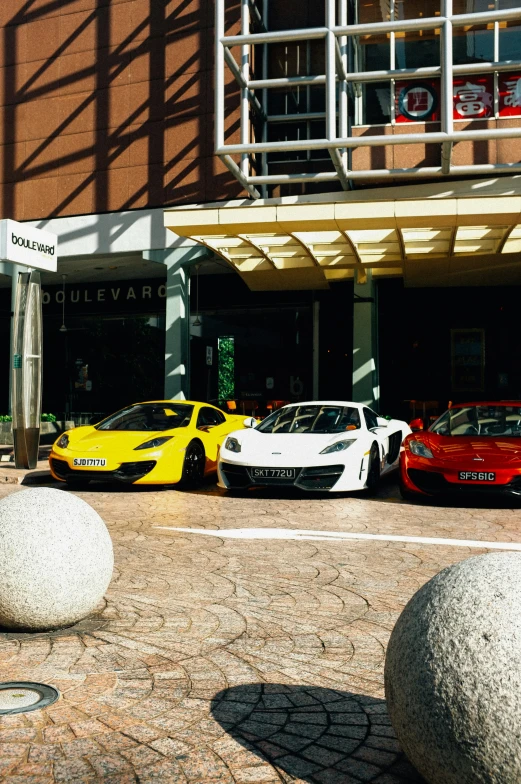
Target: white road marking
x,y
337,536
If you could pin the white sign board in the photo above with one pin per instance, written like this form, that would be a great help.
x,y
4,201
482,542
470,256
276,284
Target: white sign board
x,y
21,244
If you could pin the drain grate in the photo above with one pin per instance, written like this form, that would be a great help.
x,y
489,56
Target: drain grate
x,y
24,696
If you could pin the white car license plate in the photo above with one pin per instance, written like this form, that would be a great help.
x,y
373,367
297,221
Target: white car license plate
x,y
477,476
273,473
88,462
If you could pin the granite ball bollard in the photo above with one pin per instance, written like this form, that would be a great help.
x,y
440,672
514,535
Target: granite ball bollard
x,y
56,559
453,673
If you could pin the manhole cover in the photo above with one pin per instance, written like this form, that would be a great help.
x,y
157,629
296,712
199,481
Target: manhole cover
x,y
21,697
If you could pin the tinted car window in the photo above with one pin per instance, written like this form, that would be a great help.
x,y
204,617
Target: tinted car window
x,y
149,416
209,417
371,419
311,419
493,420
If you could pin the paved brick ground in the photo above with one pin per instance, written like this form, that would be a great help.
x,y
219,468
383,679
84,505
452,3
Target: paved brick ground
x,y
229,660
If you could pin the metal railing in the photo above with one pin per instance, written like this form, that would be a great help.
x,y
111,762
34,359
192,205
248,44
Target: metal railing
x,y
338,81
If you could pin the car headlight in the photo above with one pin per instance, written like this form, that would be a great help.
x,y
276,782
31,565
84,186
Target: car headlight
x,y
419,449
339,446
232,445
63,441
153,443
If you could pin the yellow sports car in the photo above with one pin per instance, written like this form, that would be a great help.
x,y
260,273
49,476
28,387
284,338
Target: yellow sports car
x,y
154,443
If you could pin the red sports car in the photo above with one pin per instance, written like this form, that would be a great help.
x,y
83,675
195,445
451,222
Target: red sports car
x,y
472,447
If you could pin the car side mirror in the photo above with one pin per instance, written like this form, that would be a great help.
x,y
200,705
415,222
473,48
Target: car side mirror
x,y
416,424
250,422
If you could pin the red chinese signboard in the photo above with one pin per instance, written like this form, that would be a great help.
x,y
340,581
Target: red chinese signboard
x,y
509,95
417,101
473,97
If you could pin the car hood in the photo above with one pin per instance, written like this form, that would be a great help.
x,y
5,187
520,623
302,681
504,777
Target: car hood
x,y
484,450
97,440
264,445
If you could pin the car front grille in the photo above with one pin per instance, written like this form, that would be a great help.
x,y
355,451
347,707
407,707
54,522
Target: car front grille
x,y
127,472
320,477
131,471
435,483
236,476
312,478
60,467
429,481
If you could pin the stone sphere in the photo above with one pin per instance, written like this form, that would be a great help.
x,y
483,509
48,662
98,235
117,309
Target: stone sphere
x,y
453,673
56,559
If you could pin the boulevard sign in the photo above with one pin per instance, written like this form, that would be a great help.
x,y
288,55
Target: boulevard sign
x,y
22,244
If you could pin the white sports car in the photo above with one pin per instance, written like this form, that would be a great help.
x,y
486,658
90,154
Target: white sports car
x,y
321,445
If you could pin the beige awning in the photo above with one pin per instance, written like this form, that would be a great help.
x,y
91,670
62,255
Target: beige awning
x,y
465,233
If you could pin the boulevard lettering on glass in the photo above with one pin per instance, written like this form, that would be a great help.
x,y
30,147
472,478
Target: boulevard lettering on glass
x,y
118,296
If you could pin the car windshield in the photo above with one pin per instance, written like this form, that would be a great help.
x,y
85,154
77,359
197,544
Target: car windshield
x,y
311,419
149,416
480,421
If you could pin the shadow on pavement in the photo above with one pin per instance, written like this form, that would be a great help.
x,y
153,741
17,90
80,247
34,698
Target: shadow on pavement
x,y
387,492
317,735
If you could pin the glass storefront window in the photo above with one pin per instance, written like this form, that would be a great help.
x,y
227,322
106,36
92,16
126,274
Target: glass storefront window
x,y
376,100
473,46
378,103
476,44
371,11
510,43
414,50
373,102
509,33
295,59
124,355
374,54
413,9
288,131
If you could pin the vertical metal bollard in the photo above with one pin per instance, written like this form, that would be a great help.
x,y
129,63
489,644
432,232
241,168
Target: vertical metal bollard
x,y
27,370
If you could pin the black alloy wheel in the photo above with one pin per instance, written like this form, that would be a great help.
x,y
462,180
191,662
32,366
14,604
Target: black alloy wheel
x,y
373,476
194,464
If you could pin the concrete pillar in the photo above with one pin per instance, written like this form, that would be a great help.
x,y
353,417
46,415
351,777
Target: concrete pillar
x,y
366,387
177,328
177,333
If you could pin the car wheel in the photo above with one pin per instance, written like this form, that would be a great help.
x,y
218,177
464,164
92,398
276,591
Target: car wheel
x,y
77,484
193,466
373,475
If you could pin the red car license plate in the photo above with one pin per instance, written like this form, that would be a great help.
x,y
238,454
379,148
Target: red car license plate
x,y
477,476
